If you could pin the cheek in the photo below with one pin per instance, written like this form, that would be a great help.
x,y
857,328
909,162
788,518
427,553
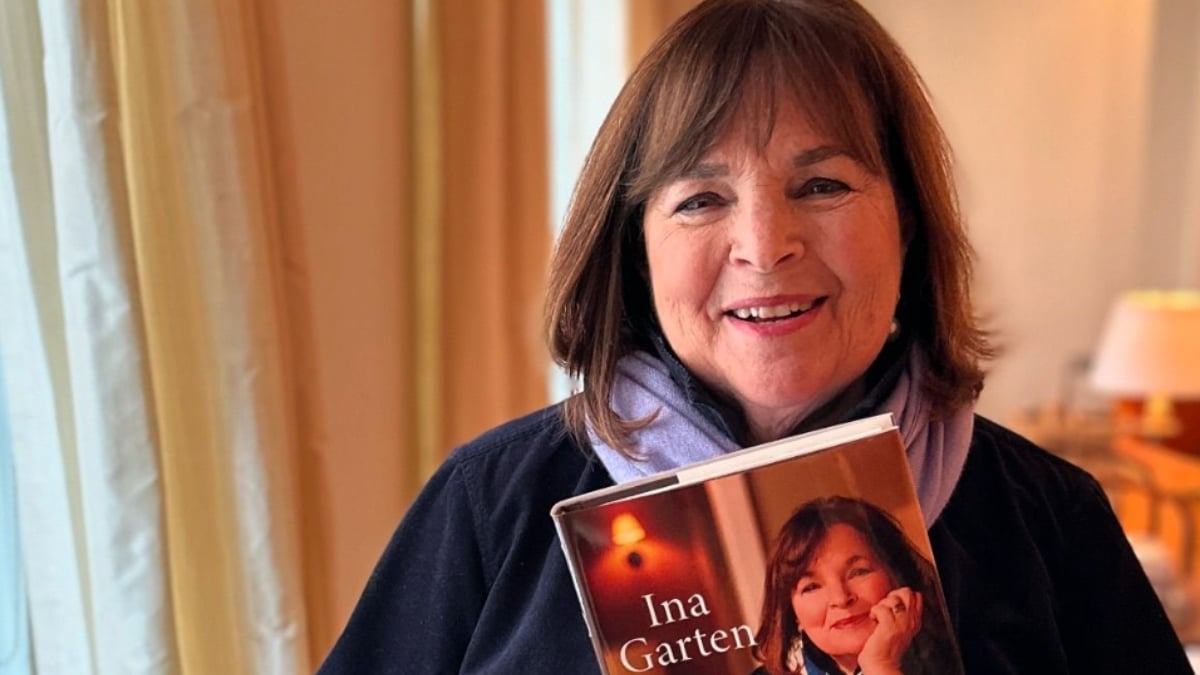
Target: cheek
x,y
873,262
870,277
683,273
810,611
864,249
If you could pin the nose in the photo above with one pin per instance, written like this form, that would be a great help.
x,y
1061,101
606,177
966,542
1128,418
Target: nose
x,y
840,595
766,233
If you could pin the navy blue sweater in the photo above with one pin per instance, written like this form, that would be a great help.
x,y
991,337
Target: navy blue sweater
x,y
1038,576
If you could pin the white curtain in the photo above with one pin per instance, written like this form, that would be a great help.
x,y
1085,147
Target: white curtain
x,y
14,625
87,475
139,347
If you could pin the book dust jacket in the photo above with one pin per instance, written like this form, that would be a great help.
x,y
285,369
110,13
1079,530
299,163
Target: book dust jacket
x,y
787,566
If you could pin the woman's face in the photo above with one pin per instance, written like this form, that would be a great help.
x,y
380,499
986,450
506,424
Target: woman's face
x,y
775,275
834,597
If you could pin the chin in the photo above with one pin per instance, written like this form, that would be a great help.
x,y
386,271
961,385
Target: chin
x,y
793,396
845,648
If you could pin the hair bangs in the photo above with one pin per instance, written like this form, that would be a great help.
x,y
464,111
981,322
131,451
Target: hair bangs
x,y
765,59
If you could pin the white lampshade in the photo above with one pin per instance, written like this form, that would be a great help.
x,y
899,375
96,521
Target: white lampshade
x,y
1151,346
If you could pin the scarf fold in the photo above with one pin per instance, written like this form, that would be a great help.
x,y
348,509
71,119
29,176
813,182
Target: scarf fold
x,y
680,435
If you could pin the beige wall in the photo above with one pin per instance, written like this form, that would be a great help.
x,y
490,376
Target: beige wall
x,y
1076,128
1072,123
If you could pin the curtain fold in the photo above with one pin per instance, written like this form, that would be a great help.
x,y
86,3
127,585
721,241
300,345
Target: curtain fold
x,y
422,165
305,384
140,341
337,78
200,222
494,225
413,191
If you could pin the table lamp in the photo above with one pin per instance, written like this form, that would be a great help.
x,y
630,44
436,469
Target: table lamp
x,y
1150,349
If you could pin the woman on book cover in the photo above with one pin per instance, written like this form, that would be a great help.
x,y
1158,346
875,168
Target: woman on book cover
x,y
764,240
847,592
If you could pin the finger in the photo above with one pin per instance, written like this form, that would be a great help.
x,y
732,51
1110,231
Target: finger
x,y
912,616
905,606
883,614
893,603
902,596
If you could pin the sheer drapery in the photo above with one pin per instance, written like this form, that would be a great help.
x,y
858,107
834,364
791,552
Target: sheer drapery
x,y
141,344
14,625
184,312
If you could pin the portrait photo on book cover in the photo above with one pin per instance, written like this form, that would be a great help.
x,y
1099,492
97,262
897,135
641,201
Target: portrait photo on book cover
x,y
817,565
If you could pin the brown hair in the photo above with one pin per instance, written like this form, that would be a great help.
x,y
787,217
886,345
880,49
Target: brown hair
x,y
793,551
834,59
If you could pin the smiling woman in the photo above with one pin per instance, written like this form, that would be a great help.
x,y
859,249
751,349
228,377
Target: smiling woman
x,y
767,253
845,590
780,154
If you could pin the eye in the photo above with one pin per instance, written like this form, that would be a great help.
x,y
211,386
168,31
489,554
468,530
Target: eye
x,y
699,202
807,587
859,570
821,187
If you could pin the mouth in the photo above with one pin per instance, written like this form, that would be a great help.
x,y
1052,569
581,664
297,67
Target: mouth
x,y
852,622
768,313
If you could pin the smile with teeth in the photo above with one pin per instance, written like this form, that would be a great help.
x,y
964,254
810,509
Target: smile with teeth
x,y
773,312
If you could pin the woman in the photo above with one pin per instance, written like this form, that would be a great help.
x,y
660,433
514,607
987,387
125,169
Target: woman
x,y
763,240
846,592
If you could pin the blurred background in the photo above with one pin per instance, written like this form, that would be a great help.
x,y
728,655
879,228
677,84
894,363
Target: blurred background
x,y
263,264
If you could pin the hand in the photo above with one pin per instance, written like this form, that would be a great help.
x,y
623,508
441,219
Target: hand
x,y
897,621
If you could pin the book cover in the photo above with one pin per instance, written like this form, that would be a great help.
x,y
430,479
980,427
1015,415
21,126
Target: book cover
x,y
806,555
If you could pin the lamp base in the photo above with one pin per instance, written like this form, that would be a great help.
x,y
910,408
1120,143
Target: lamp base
x,y
1187,416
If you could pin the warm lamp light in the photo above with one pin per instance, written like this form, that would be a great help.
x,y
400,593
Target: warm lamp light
x,y
1150,349
627,530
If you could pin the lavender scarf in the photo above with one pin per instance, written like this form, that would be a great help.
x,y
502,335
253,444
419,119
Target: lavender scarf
x,y
937,449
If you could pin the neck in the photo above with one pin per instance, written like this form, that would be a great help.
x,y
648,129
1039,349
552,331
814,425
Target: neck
x,y
847,664
766,426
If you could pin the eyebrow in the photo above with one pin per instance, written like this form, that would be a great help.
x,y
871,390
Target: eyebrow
x,y
706,170
854,559
816,155
849,562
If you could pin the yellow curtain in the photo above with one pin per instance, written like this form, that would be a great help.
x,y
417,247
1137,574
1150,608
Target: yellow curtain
x,y
333,76
199,191
494,206
409,140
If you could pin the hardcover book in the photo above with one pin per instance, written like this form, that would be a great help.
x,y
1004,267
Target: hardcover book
x,y
805,555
